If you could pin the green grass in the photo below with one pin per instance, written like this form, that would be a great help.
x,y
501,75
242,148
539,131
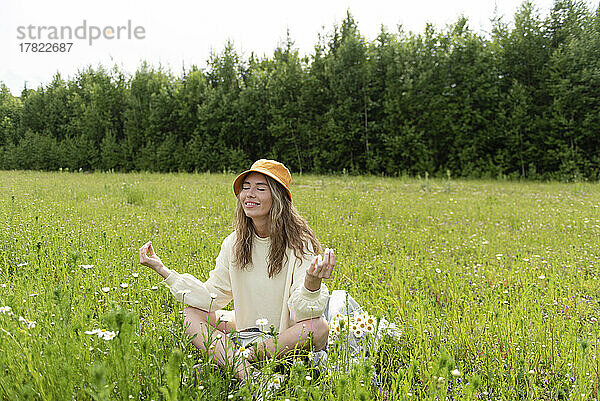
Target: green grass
x,y
496,279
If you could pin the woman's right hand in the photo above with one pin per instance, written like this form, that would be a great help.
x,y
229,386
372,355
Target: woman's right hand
x,y
149,258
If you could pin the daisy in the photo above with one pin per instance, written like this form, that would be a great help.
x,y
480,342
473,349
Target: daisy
x,y
92,332
262,323
86,267
135,275
105,289
245,352
108,335
5,309
124,285
358,333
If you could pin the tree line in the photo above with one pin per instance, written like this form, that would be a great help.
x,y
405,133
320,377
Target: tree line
x,y
520,101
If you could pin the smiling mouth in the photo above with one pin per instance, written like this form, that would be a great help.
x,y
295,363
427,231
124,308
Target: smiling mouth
x,y
251,204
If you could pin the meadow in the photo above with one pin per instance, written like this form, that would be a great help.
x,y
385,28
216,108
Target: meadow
x,y
494,285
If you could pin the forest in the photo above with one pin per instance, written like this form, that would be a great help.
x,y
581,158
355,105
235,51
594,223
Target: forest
x,y
520,101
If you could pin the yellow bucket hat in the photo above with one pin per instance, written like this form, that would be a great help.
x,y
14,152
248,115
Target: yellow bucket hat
x,y
272,168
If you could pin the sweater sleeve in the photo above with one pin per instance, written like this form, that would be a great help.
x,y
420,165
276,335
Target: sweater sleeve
x,y
304,304
211,295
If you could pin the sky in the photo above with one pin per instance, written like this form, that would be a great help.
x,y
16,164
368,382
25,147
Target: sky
x,y
179,33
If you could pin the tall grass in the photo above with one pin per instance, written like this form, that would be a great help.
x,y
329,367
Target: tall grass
x,y
494,285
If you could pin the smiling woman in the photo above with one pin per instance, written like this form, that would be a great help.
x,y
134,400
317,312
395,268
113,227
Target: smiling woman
x,y
270,266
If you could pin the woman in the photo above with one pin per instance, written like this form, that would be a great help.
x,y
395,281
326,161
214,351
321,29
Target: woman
x,y
270,266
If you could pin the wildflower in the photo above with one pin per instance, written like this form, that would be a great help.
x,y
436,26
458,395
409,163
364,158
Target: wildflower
x,y
184,292
370,328
230,397
531,372
440,379
92,332
200,387
262,323
276,381
308,378
213,296
135,275
245,352
154,288
438,270
370,320
455,373
22,264
107,335
124,285
86,267
311,356
5,309
3,285
358,333
30,324
105,289
542,277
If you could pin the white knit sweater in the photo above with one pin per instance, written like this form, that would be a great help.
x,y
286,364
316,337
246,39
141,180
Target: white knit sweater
x,y
283,300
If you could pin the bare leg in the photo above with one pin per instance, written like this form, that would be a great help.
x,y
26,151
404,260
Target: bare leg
x,y
207,331
303,335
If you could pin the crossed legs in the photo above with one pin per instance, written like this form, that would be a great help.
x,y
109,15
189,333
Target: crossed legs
x,y
303,335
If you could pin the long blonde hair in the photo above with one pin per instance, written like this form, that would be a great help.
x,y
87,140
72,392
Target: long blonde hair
x,y
287,230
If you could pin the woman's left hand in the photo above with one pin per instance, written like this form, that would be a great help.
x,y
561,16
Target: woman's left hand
x,y
319,269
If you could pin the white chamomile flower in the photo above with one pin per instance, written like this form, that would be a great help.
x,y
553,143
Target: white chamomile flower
x,y
92,332
245,352
213,296
86,267
135,275
105,289
109,335
154,288
262,323
5,309
124,285
455,373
